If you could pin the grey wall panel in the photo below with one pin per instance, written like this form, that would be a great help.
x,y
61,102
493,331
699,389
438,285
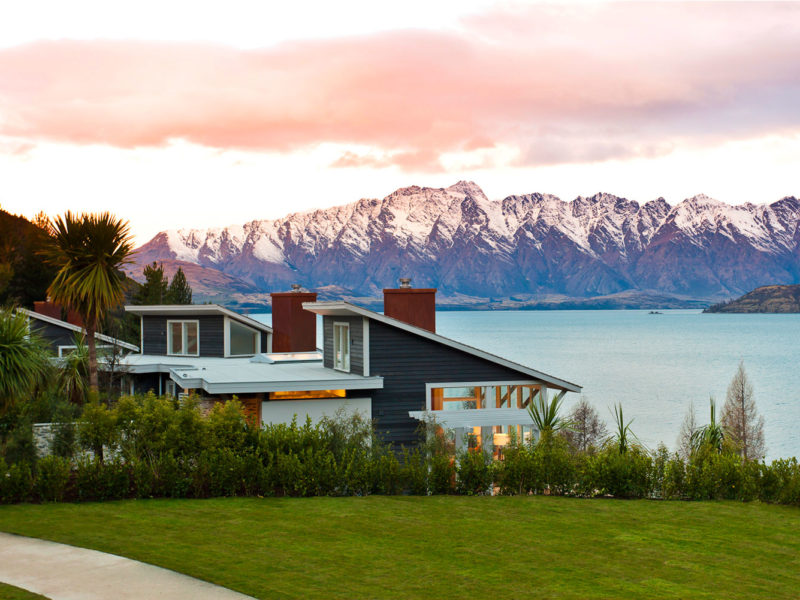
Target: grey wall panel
x,y
407,362
212,334
54,335
356,342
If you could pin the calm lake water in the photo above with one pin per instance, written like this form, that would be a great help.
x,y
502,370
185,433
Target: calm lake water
x,y
655,365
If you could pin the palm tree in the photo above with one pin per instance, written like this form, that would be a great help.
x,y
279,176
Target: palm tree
x,y
23,359
711,435
545,415
88,252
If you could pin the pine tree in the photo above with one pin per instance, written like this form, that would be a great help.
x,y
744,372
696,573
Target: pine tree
x,y
154,289
740,418
179,291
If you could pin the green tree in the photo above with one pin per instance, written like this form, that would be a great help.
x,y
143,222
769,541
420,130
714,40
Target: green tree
x,y
23,359
154,290
179,291
88,252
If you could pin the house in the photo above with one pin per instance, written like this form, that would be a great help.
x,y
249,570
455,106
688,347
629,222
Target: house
x,y
59,335
392,367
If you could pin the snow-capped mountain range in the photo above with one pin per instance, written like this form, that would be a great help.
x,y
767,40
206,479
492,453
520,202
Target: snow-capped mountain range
x,y
459,241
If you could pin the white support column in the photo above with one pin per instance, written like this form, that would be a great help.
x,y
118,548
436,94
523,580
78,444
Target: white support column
x,y
460,433
487,440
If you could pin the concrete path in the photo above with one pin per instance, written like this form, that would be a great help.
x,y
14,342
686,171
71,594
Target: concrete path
x,y
64,572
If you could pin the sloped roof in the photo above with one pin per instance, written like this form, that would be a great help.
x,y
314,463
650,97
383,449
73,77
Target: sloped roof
x,y
71,327
176,310
352,310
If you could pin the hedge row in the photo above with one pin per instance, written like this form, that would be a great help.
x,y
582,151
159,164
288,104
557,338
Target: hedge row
x,y
152,447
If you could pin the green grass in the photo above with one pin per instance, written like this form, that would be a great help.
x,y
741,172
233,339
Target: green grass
x,y
445,547
9,592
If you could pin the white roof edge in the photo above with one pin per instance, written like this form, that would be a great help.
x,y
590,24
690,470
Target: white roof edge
x,y
255,387
322,308
190,308
70,326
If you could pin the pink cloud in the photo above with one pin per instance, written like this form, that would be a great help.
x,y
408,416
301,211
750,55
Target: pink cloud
x,y
564,84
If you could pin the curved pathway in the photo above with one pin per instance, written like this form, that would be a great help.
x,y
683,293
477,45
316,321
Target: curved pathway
x,y
64,572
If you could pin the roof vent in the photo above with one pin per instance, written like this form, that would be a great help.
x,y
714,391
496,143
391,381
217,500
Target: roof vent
x,y
405,282
296,287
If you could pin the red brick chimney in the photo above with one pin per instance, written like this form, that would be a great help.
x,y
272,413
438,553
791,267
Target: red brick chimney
x,y
293,329
415,306
53,310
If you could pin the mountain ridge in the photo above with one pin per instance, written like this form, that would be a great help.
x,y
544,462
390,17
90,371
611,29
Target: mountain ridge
x,y
459,241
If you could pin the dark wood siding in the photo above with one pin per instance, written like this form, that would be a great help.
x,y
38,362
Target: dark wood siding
x,y
407,362
54,335
264,341
212,334
356,342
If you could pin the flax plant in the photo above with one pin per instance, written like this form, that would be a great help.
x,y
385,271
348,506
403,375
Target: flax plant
x,y
23,359
545,415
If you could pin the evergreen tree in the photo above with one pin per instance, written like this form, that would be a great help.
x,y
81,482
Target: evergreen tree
x,y
179,291
154,289
742,423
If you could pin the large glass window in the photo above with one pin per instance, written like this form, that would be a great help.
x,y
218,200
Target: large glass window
x,y
243,340
495,396
341,346
182,338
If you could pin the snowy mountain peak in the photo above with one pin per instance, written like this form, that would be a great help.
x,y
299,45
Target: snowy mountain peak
x,y
458,240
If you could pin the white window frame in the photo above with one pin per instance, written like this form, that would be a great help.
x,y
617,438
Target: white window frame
x,y
341,339
227,343
184,345
63,351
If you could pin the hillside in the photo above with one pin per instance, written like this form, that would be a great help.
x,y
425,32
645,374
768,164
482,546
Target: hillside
x,y
483,251
24,277
766,299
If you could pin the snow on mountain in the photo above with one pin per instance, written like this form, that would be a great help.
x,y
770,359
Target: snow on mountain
x,y
458,240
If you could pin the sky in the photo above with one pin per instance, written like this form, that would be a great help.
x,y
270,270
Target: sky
x,y
204,114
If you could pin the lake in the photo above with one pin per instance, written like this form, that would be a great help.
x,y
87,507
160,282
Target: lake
x,y
655,365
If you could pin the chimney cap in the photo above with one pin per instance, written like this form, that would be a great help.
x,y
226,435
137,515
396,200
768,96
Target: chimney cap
x,y
296,287
405,282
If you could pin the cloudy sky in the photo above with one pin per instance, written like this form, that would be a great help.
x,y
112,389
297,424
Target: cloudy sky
x,y
192,114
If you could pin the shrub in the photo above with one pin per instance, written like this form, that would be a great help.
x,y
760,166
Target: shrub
x,y
52,478
98,480
621,474
16,482
474,473
97,428
414,472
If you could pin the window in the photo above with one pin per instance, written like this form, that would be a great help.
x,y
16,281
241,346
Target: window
x,y
182,338
242,340
341,346
172,390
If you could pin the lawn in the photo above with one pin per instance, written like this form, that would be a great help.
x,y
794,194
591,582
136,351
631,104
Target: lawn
x,y
444,547
9,592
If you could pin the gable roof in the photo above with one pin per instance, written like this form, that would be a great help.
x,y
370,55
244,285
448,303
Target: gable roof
x,y
170,310
345,309
71,327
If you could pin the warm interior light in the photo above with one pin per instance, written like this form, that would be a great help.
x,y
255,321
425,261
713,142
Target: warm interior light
x,y
307,394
